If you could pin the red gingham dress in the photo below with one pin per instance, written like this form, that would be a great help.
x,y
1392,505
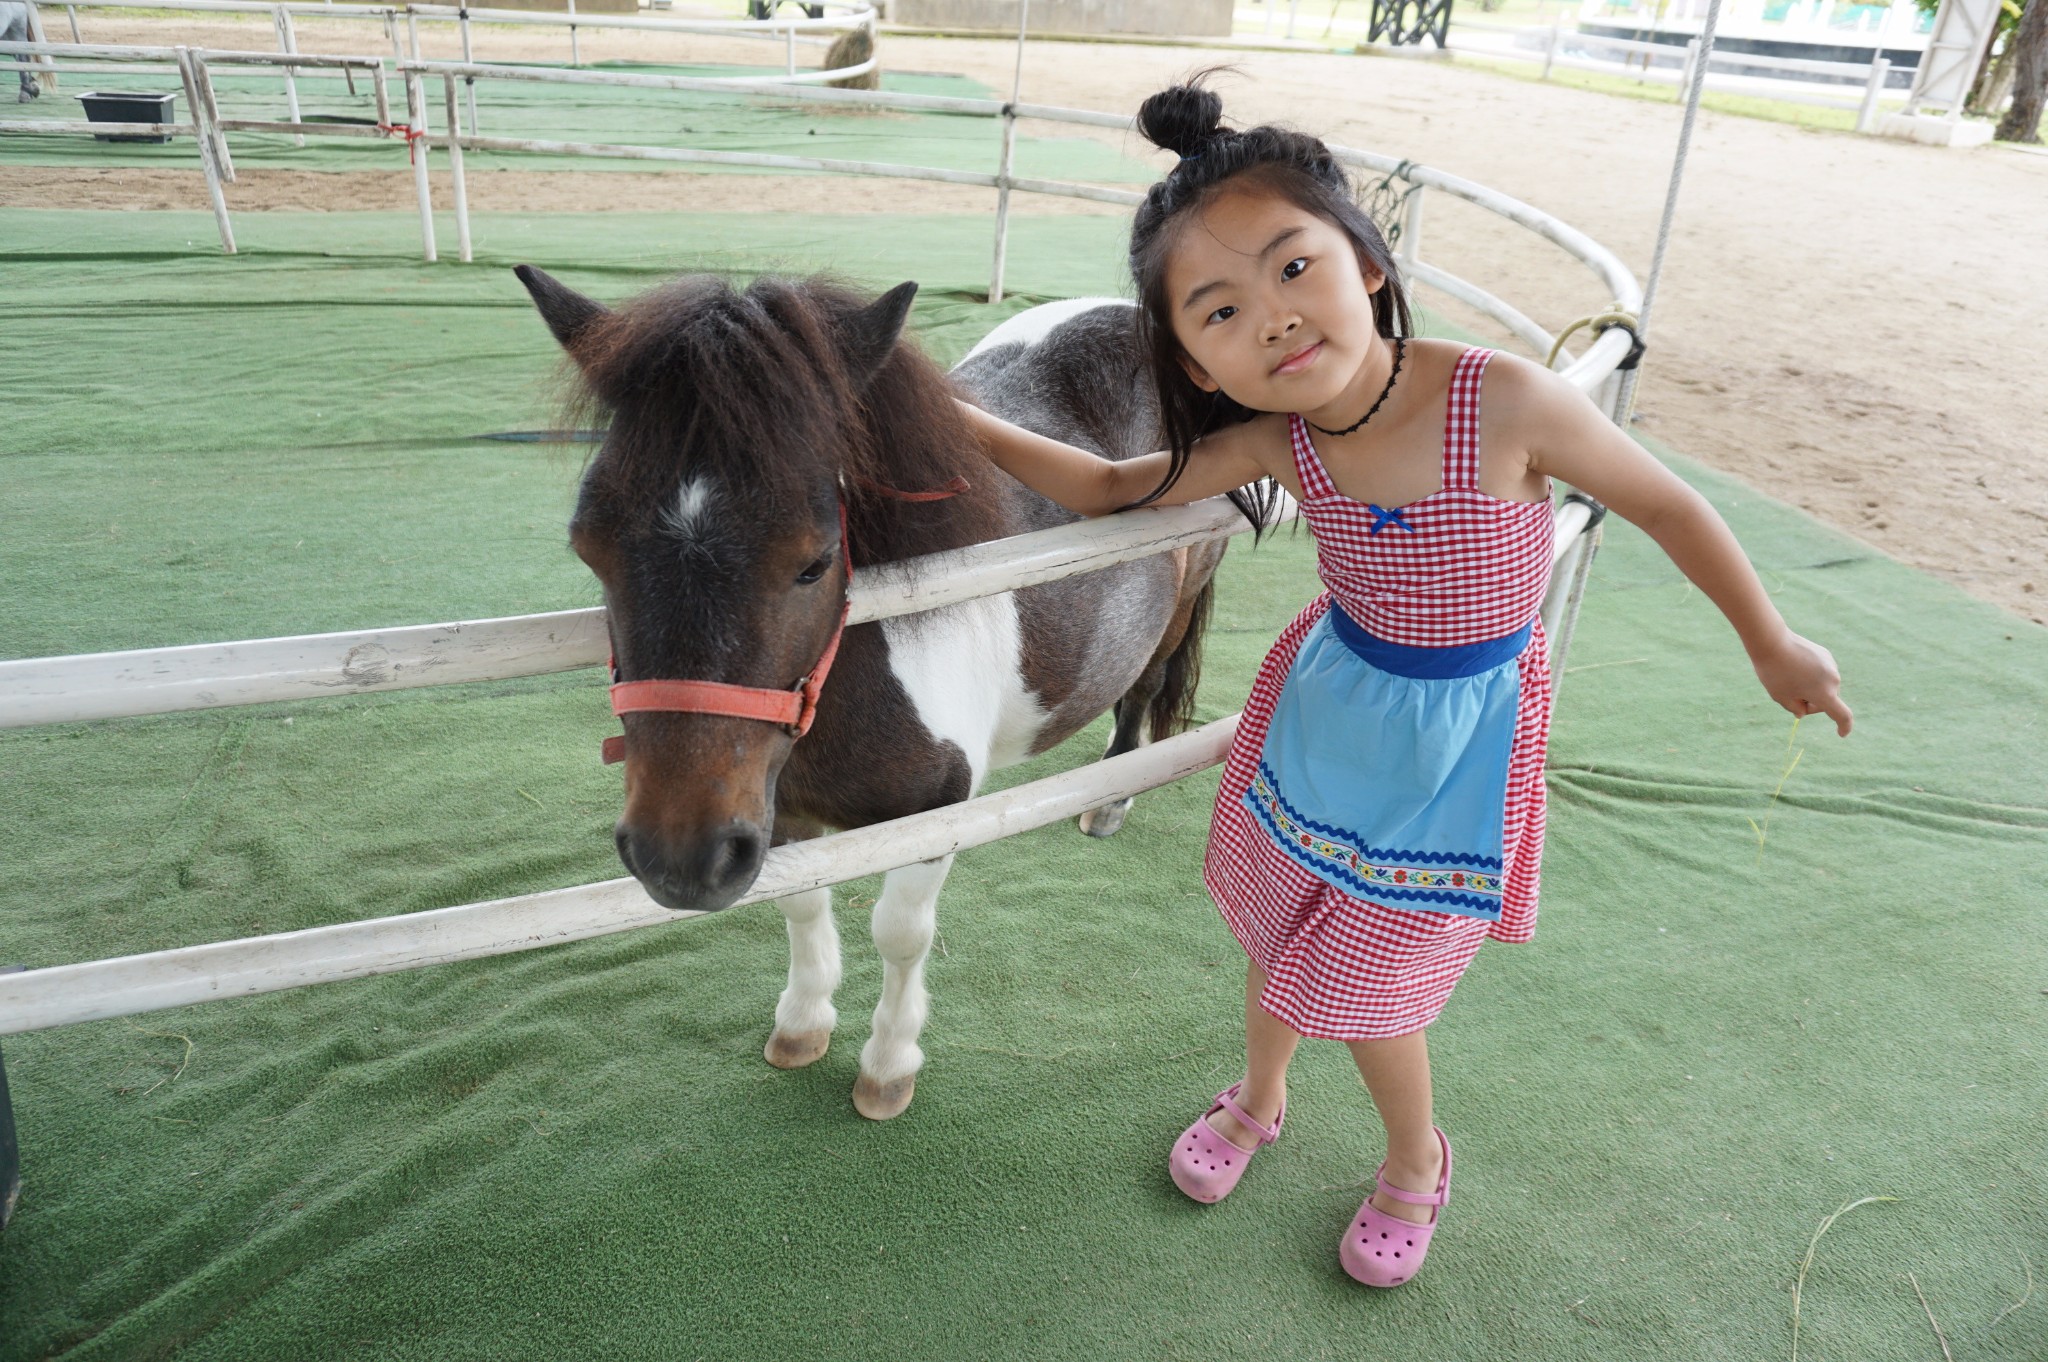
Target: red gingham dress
x,y
1476,568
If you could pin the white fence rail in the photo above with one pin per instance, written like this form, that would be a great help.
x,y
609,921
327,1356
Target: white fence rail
x,y
60,995
1873,74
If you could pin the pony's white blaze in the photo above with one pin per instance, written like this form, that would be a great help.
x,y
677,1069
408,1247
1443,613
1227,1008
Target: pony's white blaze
x,y
1030,327
693,499
962,668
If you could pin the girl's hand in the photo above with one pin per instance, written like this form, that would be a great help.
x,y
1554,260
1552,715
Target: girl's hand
x,y
1801,676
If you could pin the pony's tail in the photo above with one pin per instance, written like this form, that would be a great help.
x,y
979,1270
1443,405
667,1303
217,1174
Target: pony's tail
x,y
1173,708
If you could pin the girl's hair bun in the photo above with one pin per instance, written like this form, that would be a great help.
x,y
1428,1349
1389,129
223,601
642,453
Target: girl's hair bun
x,y
1182,119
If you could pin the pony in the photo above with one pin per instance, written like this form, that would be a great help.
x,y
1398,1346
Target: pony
x,y
16,27
762,445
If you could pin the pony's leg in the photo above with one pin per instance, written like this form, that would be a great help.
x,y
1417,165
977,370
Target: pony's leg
x,y
804,1016
1174,667
905,917
1130,733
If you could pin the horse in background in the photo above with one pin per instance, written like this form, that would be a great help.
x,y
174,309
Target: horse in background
x,y
763,445
16,26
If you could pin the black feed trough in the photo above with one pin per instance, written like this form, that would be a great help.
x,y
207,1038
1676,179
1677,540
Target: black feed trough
x,y
127,106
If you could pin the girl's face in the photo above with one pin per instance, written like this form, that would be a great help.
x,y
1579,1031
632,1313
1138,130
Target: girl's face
x,y
1270,305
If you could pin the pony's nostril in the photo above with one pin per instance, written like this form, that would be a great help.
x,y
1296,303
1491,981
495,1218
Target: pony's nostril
x,y
624,841
738,858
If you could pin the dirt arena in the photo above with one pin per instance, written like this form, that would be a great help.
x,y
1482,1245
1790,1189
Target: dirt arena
x,y
1857,326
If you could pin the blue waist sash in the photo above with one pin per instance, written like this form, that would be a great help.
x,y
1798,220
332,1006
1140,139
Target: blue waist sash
x,y
1427,664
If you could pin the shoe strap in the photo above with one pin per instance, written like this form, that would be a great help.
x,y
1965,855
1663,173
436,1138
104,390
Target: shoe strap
x,y
1227,1099
1440,1197
1436,1198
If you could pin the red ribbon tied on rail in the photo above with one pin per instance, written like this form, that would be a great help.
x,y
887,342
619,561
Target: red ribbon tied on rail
x,y
412,136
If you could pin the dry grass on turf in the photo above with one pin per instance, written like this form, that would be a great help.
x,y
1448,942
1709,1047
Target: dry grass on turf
x,y
579,1153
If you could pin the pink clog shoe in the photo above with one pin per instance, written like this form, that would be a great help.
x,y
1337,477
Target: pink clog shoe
x,y
1381,1250
1204,1164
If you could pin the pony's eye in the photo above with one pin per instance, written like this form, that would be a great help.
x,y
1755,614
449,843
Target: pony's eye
x,y
1222,314
815,571
1294,268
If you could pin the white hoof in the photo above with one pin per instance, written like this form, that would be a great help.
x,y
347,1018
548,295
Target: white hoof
x,y
1105,821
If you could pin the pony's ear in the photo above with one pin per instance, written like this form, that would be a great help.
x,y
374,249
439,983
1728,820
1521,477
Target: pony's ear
x,y
567,312
871,333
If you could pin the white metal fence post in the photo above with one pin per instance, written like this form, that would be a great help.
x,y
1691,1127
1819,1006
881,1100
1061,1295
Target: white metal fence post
x,y
288,43
1550,49
455,174
468,55
575,46
416,149
207,166
1003,167
1880,70
71,12
222,160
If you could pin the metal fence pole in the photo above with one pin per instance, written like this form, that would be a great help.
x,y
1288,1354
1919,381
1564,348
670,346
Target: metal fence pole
x,y
462,17
1880,70
995,281
1550,49
288,43
455,175
416,149
188,74
223,162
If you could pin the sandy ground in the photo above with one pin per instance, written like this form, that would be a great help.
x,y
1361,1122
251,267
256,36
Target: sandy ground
x,y
1854,325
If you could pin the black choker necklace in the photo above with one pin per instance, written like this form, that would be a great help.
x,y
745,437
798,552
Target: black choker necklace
x,y
1400,350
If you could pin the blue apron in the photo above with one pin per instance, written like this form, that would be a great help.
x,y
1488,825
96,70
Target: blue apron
x,y
1385,768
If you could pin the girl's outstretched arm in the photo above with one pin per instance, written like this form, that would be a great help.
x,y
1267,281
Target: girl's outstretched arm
x,y
1089,484
1567,437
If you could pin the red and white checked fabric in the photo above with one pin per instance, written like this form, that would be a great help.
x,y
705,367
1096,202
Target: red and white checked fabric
x,y
1475,568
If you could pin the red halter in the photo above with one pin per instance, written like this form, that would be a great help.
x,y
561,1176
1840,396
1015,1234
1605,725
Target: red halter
x,y
795,708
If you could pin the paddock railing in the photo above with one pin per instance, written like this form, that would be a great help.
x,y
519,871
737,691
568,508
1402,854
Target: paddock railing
x,y
154,681
1600,361
61,995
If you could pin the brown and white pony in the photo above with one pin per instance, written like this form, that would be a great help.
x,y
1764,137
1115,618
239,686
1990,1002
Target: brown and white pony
x,y
745,427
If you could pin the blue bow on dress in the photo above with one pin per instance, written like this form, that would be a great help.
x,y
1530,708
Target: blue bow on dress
x,y
1382,517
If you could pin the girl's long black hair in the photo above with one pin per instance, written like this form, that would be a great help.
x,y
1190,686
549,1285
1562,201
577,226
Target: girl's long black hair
x,y
1188,121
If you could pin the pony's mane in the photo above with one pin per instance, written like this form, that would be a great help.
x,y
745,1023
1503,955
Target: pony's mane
x,y
759,389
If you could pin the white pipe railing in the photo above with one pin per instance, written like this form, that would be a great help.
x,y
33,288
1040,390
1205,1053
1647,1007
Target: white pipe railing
x,y
1873,75
1585,369
61,995
116,685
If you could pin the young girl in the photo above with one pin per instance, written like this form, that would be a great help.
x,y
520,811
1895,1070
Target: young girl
x,y
1381,809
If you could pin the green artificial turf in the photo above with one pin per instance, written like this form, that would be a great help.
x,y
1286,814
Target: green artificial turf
x,y
785,126
578,1152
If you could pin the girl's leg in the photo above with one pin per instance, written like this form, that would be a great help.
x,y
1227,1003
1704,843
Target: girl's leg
x,y
1268,1048
1396,1072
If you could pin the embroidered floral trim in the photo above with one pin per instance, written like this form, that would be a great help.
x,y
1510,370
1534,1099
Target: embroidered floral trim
x,y
1479,889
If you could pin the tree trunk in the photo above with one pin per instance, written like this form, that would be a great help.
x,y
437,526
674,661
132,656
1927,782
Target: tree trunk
x,y
2022,122
1994,82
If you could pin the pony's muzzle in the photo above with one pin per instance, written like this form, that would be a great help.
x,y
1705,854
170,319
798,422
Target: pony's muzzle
x,y
701,875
